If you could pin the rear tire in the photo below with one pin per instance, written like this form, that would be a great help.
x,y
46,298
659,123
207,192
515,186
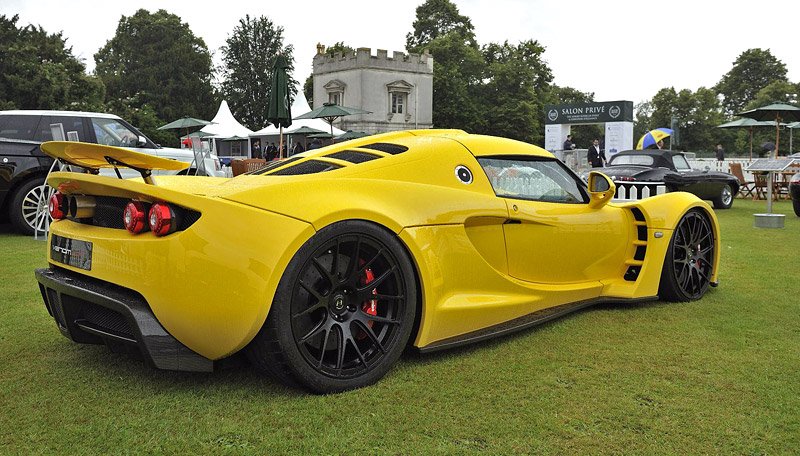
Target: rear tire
x,y
689,262
725,198
796,206
29,198
343,311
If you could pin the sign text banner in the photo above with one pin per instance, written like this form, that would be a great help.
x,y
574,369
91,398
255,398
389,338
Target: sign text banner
x,y
588,113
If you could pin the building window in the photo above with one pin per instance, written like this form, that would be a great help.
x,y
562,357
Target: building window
x,y
399,92
398,102
335,90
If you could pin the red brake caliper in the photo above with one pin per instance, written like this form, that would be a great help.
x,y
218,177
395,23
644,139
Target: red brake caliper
x,y
371,306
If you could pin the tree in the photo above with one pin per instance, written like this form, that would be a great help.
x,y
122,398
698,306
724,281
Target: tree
x,y
156,60
457,70
331,51
698,114
514,90
753,70
39,71
438,18
248,57
776,92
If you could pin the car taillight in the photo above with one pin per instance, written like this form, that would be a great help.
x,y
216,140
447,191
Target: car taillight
x,y
57,206
134,217
162,219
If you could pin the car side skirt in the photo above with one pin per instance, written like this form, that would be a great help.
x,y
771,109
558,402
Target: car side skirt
x,y
521,323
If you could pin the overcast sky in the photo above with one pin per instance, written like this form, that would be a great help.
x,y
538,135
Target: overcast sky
x,y
620,50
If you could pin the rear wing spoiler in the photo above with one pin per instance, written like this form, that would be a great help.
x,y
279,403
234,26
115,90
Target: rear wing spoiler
x,y
92,157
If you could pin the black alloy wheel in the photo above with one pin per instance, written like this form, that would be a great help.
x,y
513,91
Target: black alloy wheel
x,y
689,262
343,312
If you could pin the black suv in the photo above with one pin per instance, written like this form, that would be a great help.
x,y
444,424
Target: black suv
x,y
23,166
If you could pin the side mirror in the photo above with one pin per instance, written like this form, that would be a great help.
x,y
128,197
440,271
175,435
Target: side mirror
x,y
141,141
601,189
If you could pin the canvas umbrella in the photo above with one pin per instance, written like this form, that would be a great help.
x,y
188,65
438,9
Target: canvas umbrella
x,y
652,137
779,112
748,123
279,110
350,134
331,112
185,123
304,131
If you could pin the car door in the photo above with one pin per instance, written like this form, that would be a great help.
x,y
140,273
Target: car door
x,y
552,236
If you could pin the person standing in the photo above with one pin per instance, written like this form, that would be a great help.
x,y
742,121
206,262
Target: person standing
x,y
596,156
255,151
271,152
568,144
298,147
720,153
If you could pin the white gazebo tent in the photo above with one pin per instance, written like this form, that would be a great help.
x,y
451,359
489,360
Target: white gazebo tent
x,y
226,126
299,107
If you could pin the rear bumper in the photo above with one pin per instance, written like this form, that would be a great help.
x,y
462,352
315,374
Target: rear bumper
x,y
91,311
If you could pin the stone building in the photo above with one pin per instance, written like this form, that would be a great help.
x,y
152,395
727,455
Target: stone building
x,y
398,90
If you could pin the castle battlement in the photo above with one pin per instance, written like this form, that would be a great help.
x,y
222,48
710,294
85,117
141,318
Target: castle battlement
x,y
362,58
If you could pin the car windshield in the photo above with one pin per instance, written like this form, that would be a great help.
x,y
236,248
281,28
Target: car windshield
x,y
643,160
532,179
680,163
111,132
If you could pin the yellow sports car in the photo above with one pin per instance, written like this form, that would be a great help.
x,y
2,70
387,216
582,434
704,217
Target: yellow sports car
x,y
324,267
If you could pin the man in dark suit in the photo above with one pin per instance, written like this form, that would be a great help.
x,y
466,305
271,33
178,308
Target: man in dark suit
x,y
596,156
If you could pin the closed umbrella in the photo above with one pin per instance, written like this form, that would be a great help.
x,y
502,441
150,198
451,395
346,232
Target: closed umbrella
x,y
779,112
331,112
652,137
279,110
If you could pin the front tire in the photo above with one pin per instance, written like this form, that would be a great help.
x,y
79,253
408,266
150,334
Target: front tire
x,y
30,199
725,198
688,265
343,311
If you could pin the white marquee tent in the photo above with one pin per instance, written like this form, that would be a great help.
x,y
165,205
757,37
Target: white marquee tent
x,y
225,125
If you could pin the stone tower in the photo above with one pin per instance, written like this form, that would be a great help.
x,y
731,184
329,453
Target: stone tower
x,y
398,90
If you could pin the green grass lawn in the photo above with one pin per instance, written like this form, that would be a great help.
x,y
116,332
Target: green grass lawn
x,y
720,375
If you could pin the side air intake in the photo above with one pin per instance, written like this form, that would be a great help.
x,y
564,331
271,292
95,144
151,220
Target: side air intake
x,y
640,244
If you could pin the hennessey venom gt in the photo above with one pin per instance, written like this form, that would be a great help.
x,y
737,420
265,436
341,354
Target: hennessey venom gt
x,y
324,267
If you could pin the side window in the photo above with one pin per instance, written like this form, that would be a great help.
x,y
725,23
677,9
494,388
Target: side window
x,y
61,128
18,126
680,162
111,132
532,179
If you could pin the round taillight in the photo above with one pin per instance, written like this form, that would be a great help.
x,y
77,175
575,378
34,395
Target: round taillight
x,y
134,217
57,206
162,219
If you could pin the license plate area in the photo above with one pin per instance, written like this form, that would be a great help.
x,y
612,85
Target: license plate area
x,y
72,252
